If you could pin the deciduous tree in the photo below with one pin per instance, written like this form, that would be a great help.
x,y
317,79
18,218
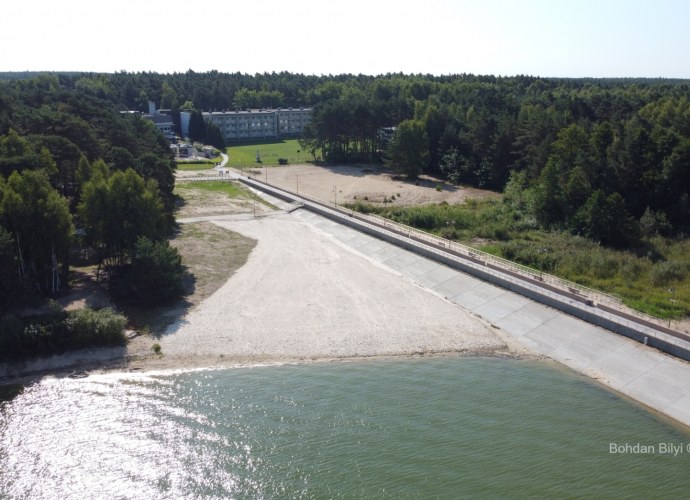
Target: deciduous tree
x,y
39,218
116,211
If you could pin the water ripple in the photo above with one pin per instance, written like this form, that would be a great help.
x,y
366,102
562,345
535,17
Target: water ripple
x,y
430,428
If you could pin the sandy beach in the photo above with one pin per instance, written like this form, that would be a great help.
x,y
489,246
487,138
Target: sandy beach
x,y
301,297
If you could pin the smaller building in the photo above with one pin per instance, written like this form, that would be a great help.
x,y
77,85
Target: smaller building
x,y
162,120
183,150
186,150
209,152
164,123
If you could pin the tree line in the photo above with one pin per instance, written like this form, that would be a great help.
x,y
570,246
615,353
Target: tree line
x,y
608,159
573,148
76,174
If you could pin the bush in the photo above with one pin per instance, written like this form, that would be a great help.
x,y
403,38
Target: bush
x,y
361,207
422,219
654,223
631,270
493,231
282,161
530,254
55,333
603,266
449,233
88,327
665,272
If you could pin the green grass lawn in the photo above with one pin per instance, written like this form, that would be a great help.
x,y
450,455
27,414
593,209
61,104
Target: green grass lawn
x,y
244,155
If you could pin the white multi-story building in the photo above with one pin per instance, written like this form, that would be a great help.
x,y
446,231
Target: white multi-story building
x,y
256,124
291,122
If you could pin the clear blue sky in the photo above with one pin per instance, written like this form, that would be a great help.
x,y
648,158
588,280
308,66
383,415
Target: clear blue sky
x,y
576,38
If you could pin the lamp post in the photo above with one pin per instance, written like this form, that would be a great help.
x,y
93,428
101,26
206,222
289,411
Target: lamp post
x,y
672,291
297,177
449,224
298,151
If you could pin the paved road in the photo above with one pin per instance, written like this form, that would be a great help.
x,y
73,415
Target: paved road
x,y
221,166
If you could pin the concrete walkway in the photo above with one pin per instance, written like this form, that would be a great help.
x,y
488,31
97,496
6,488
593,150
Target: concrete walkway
x,y
655,379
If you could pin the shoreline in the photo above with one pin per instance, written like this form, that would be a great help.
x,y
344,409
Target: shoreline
x,y
160,364
304,297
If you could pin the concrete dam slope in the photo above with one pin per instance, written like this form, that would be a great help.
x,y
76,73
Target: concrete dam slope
x,y
563,325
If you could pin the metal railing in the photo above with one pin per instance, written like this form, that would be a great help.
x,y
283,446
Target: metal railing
x,y
218,177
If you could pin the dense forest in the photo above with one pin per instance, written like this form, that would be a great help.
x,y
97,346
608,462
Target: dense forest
x,y
576,147
76,176
607,159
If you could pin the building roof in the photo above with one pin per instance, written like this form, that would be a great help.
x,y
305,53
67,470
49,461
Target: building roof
x,y
253,111
159,119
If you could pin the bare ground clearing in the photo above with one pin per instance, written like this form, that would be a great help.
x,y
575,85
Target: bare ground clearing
x,y
364,183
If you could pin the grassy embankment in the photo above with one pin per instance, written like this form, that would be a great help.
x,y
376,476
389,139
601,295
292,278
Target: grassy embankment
x,y
648,278
244,155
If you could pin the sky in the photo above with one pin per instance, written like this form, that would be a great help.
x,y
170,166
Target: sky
x,y
549,38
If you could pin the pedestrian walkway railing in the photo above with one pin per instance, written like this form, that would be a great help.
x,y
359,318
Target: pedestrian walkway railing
x,y
197,178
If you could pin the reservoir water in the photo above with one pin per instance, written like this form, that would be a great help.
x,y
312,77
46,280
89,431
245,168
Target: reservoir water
x,y
425,428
